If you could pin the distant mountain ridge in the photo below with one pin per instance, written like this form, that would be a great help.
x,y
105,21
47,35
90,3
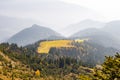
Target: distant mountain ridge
x,y
113,28
33,34
98,36
11,25
106,34
73,28
88,32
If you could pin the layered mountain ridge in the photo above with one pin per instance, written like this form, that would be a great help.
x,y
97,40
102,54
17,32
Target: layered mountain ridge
x,y
33,34
104,36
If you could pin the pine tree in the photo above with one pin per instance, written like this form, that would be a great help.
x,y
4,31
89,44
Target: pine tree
x,y
110,69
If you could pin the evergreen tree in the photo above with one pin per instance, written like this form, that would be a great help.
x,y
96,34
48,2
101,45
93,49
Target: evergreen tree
x,y
110,69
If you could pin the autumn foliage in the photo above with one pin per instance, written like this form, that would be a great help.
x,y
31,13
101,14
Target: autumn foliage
x,y
37,73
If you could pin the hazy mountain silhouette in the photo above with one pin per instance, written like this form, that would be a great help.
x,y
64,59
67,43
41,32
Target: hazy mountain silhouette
x,y
98,36
113,28
11,25
33,34
73,28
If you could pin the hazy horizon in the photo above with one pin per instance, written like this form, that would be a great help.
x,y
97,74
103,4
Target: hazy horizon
x,y
55,14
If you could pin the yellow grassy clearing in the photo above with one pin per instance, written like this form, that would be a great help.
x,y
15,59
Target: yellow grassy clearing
x,y
45,46
81,40
78,40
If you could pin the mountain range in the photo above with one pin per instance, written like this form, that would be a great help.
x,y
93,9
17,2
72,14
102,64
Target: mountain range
x,y
98,36
33,34
14,15
106,34
73,28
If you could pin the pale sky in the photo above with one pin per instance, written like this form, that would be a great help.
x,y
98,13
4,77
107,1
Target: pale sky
x,y
57,13
108,8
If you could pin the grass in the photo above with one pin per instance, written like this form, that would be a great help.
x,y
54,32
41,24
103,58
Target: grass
x,y
45,46
81,40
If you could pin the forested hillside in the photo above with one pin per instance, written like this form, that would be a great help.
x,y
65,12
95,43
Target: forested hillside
x,y
25,63
80,49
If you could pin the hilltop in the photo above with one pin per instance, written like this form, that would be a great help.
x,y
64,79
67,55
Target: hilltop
x,y
33,34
